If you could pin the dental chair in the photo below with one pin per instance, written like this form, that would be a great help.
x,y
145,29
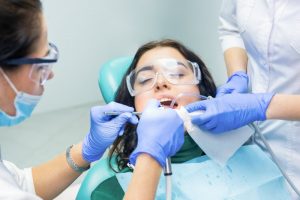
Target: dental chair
x,y
110,77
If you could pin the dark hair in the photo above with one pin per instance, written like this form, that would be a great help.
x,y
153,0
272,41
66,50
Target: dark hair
x,y
20,29
125,144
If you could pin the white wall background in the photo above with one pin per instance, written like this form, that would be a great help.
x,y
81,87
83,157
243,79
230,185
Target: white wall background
x,y
88,33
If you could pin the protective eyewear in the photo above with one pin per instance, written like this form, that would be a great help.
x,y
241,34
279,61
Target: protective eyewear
x,y
41,67
175,72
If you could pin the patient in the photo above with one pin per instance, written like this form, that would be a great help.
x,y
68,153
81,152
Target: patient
x,y
160,70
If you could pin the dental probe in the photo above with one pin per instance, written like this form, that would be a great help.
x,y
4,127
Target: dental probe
x,y
118,113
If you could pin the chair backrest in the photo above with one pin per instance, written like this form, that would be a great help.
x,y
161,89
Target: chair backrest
x,y
110,76
98,173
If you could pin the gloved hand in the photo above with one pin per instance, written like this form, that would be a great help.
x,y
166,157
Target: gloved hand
x,y
104,129
230,111
160,133
236,83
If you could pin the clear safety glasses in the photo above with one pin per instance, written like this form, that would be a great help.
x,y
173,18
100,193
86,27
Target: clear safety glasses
x,y
41,67
175,72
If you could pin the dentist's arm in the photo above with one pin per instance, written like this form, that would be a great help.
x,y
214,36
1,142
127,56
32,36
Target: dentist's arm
x,y
145,178
160,135
51,178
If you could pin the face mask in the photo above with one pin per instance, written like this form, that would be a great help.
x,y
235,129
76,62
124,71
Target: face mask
x,y
24,104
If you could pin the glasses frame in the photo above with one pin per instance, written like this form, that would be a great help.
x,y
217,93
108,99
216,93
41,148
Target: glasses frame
x,y
196,70
51,57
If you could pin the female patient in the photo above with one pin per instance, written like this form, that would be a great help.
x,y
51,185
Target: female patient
x,y
161,70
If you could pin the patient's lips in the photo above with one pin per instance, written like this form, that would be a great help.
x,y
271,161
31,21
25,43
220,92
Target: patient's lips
x,y
166,103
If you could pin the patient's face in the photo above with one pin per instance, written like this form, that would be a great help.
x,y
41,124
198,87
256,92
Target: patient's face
x,y
163,90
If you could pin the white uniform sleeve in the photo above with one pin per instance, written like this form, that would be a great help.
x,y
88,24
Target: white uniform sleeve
x,y
229,32
16,183
23,177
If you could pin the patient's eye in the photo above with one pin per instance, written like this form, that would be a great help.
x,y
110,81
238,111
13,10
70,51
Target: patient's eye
x,y
176,75
144,81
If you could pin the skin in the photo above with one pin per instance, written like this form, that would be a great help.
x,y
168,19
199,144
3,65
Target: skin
x,y
20,76
50,178
282,106
162,88
147,170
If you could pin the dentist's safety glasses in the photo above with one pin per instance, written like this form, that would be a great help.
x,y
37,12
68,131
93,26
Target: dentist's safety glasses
x,y
174,71
40,67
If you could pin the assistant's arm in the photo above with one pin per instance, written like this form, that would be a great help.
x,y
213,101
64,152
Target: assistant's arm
x,y
286,107
232,44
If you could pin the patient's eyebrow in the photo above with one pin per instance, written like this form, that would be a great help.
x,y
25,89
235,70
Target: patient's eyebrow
x,y
146,68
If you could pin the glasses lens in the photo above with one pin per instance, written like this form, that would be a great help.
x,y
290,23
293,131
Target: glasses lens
x,y
179,72
176,72
53,52
40,73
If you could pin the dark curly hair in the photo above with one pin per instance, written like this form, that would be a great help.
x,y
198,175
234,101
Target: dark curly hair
x,y
125,144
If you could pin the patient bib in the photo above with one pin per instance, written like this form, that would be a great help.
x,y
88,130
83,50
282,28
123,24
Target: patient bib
x,y
248,175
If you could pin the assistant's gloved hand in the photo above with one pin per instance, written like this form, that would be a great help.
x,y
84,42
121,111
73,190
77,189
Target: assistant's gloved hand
x,y
160,133
104,129
236,83
230,111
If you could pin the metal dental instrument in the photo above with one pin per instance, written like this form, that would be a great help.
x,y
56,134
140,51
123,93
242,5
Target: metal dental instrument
x,y
118,113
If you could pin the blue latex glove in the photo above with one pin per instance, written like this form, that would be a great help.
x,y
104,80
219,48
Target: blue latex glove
x,y
104,129
230,111
236,83
160,133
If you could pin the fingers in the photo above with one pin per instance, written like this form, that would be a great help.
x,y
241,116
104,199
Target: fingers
x,y
196,106
152,104
113,106
125,117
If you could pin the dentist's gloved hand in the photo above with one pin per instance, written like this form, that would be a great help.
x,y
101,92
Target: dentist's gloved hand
x,y
230,111
236,83
104,129
160,133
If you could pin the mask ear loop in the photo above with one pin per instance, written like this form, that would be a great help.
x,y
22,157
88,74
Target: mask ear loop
x,y
9,81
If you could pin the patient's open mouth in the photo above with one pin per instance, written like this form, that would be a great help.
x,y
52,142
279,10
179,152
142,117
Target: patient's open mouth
x,y
166,102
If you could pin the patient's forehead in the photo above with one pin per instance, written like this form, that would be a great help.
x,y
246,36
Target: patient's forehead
x,y
157,53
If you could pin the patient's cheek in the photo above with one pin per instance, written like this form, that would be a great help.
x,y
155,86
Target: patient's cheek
x,y
140,103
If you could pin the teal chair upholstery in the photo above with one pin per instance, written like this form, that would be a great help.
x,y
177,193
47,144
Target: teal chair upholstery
x,y
110,77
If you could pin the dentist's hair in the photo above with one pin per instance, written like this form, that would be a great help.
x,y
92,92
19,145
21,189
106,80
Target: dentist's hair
x,y
125,144
20,29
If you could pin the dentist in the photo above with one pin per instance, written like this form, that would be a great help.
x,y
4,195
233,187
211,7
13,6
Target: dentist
x,y
26,61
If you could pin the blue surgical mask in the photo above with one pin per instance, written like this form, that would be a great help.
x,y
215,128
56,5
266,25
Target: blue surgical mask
x,y
24,104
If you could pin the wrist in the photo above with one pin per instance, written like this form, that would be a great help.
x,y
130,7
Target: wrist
x,y
240,75
145,159
156,153
75,160
88,151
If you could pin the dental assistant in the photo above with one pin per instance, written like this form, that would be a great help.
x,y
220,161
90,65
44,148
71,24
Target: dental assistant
x,y
26,60
261,46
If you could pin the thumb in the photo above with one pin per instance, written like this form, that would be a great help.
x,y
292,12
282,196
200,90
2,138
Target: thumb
x,y
222,91
196,106
152,103
122,119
